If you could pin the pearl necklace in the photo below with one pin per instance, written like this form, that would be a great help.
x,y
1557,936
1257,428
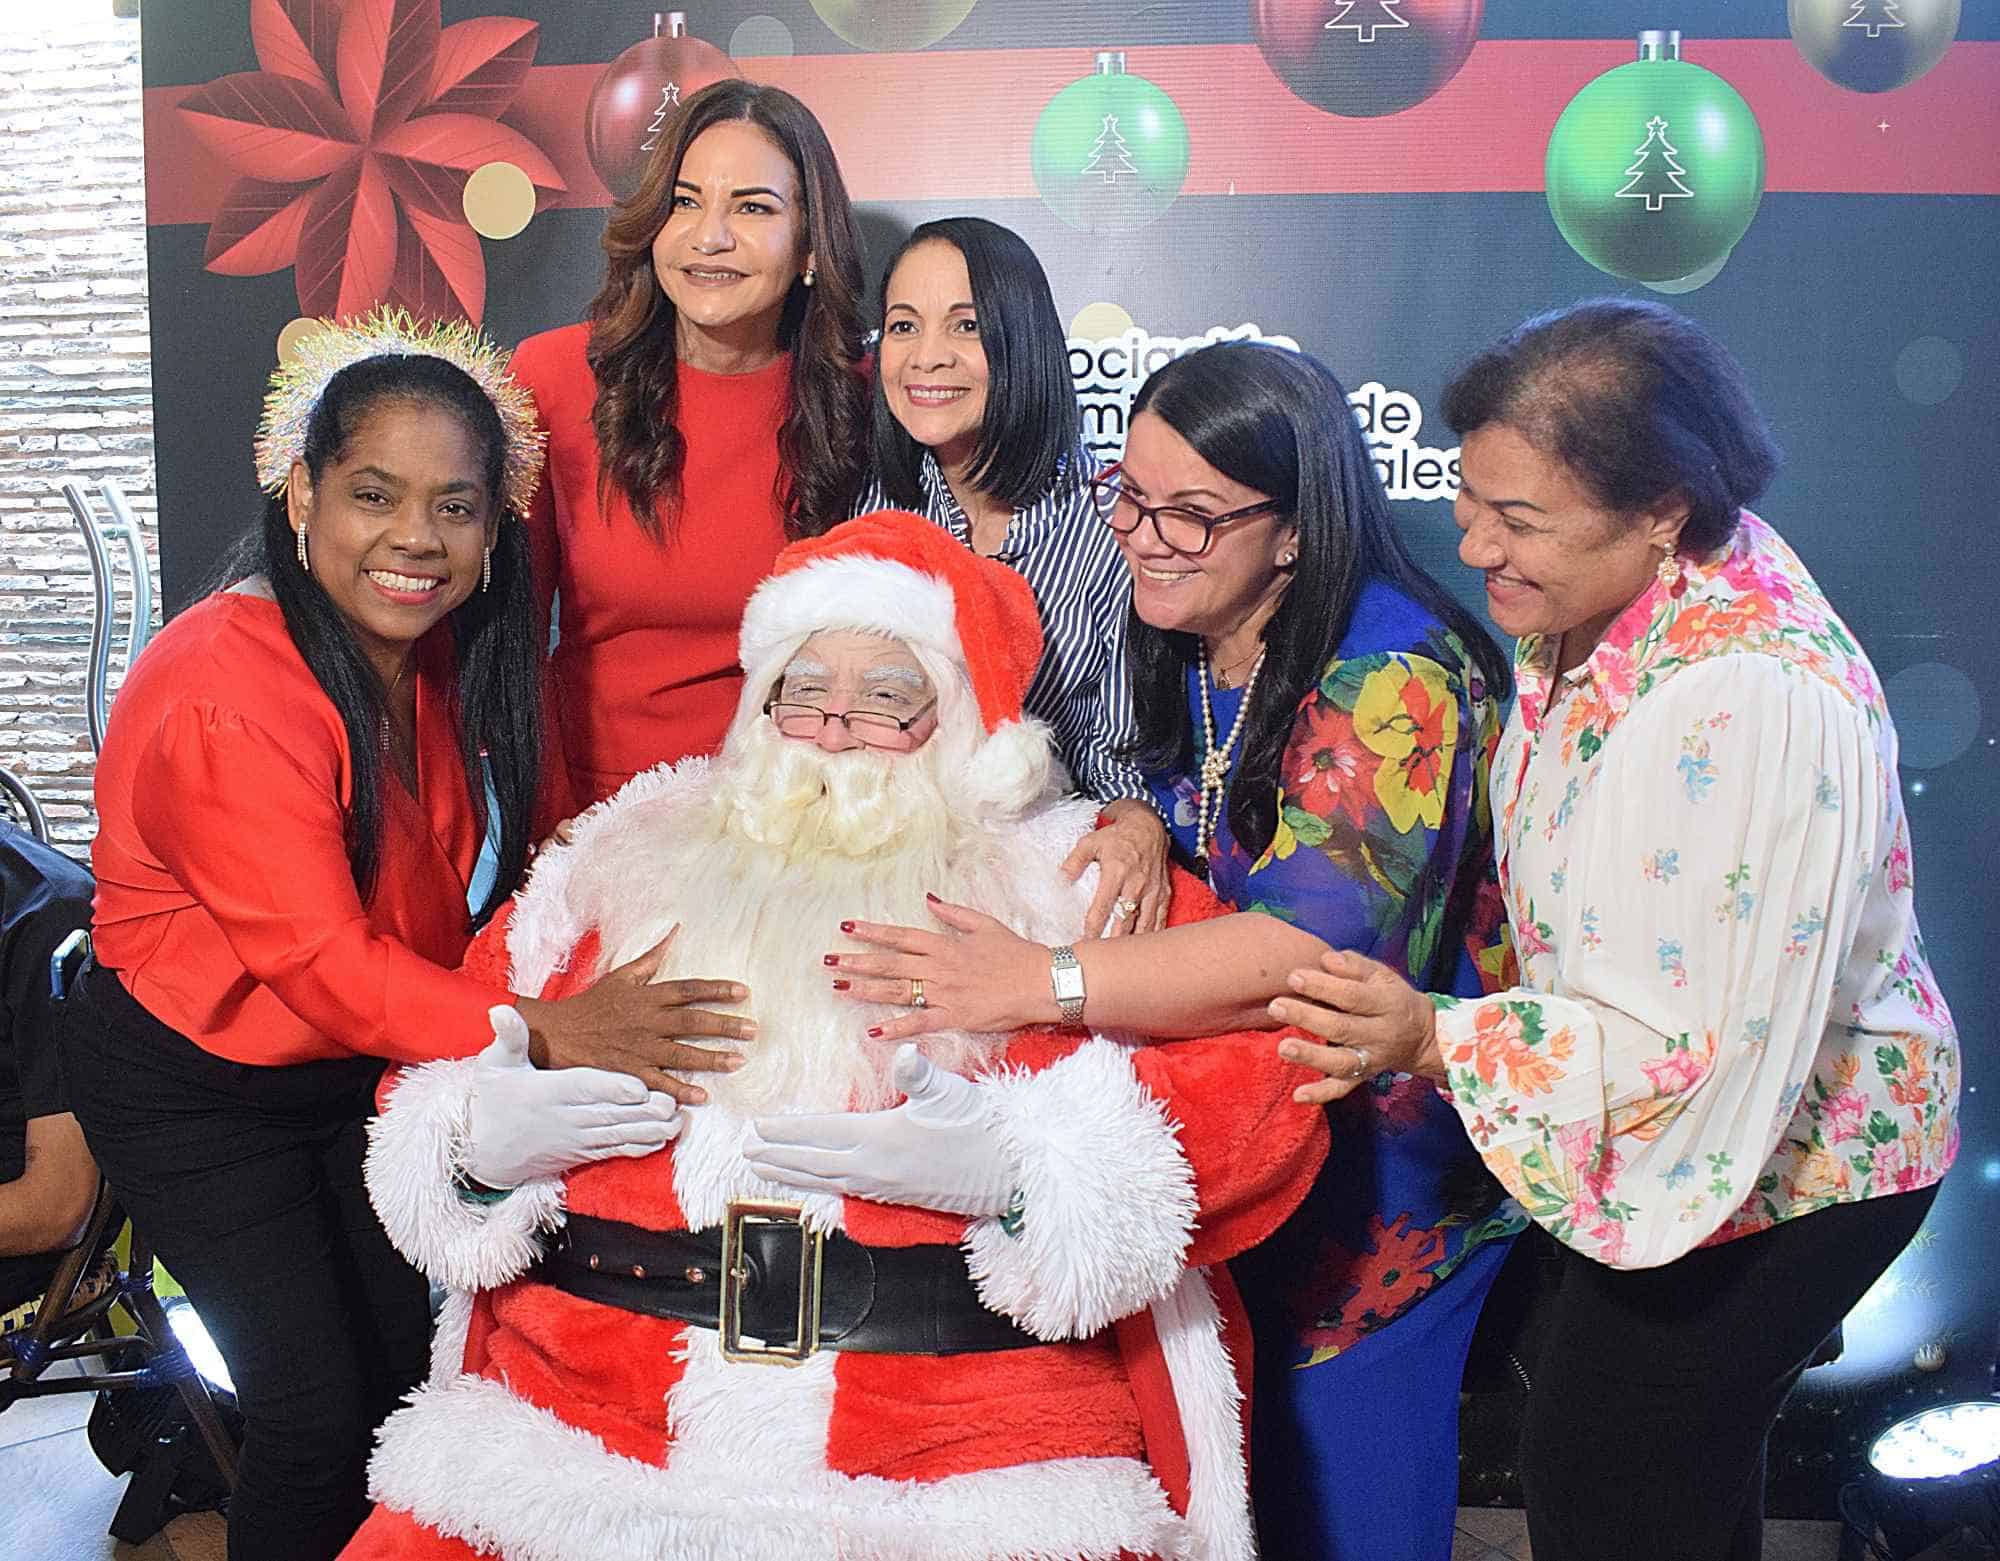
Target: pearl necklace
x,y
1215,761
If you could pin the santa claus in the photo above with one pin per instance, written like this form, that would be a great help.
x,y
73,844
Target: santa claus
x,y
961,1300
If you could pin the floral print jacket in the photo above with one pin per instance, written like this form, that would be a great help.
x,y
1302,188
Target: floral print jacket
x,y
1382,821
1725,1017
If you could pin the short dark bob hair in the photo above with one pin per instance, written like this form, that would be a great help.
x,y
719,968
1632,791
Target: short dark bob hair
x,y
1636,400
1032,425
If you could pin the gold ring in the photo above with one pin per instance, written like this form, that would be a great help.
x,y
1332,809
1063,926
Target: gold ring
x,y
917,992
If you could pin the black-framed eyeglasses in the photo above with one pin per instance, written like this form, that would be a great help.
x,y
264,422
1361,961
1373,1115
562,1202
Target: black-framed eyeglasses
x,y
870,728
1188,532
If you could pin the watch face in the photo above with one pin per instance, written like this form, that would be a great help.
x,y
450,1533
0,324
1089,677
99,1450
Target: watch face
x,y
1068,983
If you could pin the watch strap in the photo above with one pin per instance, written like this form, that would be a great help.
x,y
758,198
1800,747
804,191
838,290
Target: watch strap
x,y
1066,983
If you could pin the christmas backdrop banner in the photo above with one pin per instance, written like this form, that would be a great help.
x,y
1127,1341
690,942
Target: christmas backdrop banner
x,y
1387,184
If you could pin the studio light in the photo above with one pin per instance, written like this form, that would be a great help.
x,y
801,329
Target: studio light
x,y
1937,1473
193,1338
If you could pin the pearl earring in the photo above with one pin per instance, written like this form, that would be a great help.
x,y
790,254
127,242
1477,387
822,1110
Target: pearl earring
x,y
1669,571
486,570
810,276
304,566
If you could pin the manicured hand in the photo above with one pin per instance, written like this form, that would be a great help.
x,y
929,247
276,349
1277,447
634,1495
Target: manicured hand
x,y
629,1023
978,974
1130,851
1371,1020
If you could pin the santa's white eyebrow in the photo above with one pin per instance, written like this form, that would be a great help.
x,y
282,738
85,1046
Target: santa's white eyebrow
x,y
806,667
909,675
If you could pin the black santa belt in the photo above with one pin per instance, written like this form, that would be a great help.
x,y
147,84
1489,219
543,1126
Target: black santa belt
x,y
778,1292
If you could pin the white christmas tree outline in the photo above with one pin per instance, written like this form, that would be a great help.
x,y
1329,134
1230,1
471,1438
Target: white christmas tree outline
x,y
1656,131
670,96
1364,32
1891,16
1109,140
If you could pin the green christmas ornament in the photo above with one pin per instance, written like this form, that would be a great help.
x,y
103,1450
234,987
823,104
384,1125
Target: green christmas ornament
x,y
1656,168
1694,279
1873,45
894,25
1110,152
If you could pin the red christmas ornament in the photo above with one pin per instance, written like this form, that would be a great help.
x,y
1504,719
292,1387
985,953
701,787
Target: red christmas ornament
x,y
1365,58
639,92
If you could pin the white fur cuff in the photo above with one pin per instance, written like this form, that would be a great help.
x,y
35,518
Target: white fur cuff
x,y
1109,1198
412,1171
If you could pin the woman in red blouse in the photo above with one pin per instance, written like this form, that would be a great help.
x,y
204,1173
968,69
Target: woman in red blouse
x,y
288,828
710,410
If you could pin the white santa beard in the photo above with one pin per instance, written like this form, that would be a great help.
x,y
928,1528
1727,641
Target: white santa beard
x,y
791,842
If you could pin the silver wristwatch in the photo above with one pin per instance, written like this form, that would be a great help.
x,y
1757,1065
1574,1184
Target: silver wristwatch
x,y
1066,982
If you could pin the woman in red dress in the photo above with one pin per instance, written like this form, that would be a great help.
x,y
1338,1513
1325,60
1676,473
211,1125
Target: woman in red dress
x,y
711,409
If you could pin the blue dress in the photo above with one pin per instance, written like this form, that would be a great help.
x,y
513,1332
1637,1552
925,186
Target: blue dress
x,y
1363,1303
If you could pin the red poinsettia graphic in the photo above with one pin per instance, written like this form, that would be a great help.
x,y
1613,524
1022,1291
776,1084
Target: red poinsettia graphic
x,y
353,145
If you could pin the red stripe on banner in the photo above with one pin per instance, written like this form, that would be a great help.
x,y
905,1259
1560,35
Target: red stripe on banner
x,y
1486,131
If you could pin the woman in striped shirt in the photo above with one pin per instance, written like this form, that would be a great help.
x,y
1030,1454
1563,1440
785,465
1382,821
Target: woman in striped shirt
x,y
969,328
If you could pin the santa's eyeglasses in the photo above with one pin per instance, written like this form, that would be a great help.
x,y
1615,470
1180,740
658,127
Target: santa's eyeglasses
x,y
870,728
1188,532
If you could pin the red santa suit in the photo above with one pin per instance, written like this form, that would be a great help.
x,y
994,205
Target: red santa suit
x,y
561,1429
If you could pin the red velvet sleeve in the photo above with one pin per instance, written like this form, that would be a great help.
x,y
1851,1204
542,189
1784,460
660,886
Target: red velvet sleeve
x,y
251,831
1254,1151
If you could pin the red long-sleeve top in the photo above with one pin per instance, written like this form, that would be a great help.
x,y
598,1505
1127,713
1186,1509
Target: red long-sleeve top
x,y
644,670
224,899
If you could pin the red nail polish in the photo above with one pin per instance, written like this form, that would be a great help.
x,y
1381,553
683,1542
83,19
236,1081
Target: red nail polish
x,y
842,986
830,959
932,898
874,1032
847,926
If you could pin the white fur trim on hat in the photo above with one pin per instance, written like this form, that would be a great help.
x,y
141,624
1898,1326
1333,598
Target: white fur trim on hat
x,y
851,591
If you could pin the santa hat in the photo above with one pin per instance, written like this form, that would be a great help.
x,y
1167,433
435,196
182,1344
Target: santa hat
x,y
897,574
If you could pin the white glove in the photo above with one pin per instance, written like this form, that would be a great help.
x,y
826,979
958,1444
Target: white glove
x,y
525,1122
935,1151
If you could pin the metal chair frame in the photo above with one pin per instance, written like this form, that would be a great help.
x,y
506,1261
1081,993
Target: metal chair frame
x,y
123,525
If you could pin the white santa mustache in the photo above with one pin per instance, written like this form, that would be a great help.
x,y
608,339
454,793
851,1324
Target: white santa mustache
x,y
761,864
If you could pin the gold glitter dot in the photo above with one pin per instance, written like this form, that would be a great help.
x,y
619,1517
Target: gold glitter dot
x,y
499,200
294,335
1100,322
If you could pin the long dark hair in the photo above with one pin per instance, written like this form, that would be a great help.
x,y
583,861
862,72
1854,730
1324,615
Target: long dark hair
x,y
1032,424
1279,422
496,691
1636,400
641,451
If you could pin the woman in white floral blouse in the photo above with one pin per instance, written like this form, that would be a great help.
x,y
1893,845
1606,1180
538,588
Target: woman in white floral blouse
x,y
1726,1020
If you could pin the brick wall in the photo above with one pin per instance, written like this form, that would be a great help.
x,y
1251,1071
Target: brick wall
x,y
75,369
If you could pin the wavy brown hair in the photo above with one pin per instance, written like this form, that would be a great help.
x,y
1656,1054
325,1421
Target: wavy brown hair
x,y
824,439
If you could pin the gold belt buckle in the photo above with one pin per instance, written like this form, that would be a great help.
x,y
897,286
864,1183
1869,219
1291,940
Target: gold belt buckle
x,y
736,1270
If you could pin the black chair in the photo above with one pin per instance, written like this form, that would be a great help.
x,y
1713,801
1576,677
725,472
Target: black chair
x,y
192,1450
156,1415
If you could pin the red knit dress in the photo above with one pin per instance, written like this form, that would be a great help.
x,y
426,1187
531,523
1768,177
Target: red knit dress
x,y
644,669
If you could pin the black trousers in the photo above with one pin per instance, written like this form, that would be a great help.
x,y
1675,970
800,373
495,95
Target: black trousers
x,y
248,1182
1657,1387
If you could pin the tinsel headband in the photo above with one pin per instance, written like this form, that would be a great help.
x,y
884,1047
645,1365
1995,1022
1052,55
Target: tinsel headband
x,y
299,382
